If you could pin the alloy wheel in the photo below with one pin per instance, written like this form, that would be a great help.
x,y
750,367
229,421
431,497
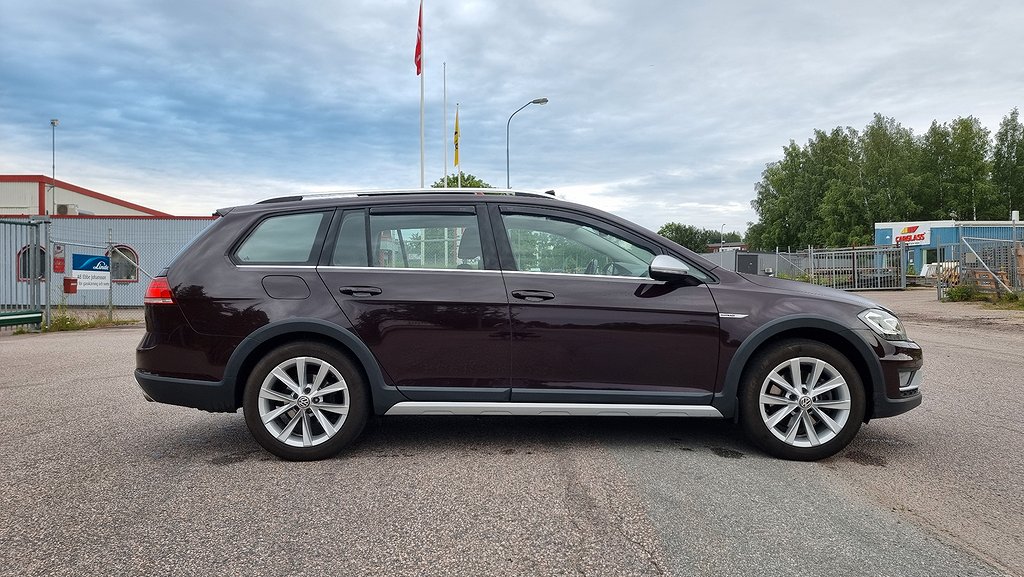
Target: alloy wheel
x,y
805,402
303,401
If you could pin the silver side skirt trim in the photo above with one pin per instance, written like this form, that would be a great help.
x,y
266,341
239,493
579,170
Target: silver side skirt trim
x,y
551,409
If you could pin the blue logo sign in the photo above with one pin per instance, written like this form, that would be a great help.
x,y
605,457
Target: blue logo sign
x,y
88,262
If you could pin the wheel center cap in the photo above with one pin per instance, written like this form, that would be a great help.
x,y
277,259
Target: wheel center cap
x,y
805,402
303,402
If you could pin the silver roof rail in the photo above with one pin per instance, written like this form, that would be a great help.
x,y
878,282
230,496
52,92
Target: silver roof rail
x,y
423,191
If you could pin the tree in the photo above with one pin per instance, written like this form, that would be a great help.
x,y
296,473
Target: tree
x,y
695,239
468,181
835,187
888,170
1008,162
844,215
780,194
934,169
973,196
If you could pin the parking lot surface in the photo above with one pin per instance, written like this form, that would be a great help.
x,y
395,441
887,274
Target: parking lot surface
x,y
96,481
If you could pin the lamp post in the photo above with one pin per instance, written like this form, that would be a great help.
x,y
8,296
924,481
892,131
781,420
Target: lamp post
x,y
53,158
722,244
508,180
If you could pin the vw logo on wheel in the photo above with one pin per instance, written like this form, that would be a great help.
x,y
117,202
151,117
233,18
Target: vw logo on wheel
x,y
303,402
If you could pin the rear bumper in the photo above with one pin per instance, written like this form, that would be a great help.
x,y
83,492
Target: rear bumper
x,y
212,396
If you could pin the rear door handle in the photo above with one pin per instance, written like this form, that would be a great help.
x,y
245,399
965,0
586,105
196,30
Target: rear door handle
x,y
360,291
533,296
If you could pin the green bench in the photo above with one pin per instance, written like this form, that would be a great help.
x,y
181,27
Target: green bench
x,y
12,318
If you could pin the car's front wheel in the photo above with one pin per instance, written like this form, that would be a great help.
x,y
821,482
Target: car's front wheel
x,y
305,401
801,400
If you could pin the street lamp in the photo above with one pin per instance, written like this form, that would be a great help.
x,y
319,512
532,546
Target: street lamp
x,y
722,244
53,159
507,125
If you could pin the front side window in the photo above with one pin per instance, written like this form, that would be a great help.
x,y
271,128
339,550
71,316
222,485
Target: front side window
x,y
545,244
25,263
284,239
426,241
124,264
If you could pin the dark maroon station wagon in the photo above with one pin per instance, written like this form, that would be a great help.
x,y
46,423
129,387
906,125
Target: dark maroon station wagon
x,y
311,313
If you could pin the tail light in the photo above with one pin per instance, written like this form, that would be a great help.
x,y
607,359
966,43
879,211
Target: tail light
x,y
159,292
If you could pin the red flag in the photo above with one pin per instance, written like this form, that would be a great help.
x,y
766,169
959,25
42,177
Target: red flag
x,y
419,42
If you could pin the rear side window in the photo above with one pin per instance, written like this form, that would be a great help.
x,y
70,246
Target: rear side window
x,y
429,241
284,239
350,248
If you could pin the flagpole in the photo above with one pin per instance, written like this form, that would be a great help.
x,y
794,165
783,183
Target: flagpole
x,y
444,138
458,137
422,74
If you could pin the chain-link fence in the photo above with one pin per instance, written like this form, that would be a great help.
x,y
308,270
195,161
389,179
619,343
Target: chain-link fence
x,y
131,250
989,266
853,268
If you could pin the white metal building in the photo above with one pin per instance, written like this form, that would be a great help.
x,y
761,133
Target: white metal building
x,y
138,241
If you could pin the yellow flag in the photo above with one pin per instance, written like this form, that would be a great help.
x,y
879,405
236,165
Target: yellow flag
x,y
456,136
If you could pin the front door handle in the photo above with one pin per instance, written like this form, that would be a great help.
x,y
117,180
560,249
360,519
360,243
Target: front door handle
x,y
533,296
360,291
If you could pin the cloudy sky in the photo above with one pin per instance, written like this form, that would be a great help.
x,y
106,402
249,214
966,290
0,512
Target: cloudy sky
x,y
659,110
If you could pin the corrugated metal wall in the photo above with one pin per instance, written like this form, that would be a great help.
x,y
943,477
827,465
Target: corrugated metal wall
x,y
155,242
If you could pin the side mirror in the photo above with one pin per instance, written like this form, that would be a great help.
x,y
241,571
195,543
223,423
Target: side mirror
x,y
668,268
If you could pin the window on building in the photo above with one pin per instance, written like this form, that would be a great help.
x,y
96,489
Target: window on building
x,y
24,263
124,264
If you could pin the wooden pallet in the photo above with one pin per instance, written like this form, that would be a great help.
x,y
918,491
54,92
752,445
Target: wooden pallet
x,y
985,282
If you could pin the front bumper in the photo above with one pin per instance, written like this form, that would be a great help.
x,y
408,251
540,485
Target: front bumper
x,y
901,366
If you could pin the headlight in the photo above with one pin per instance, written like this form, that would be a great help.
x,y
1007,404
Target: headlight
x,y
884,323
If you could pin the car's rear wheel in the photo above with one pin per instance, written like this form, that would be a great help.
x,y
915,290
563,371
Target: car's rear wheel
x,y
801,400
305,401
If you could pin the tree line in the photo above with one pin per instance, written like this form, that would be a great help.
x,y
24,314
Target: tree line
x,y
831,190
696,239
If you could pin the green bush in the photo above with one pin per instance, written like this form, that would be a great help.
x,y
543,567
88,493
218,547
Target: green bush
x,y
963,292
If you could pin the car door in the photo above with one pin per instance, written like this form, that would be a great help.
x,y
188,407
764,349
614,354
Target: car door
x,y
421,288
589,325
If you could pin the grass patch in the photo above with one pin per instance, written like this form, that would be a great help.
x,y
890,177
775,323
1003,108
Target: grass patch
x,y
64,319
66,322
968,293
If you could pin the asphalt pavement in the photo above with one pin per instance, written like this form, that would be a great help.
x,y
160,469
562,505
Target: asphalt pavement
x,y
96,481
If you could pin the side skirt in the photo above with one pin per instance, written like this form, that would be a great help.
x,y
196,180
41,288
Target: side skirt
x,y
551,409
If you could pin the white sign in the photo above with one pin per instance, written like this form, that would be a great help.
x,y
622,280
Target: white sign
x,y
911,234
92,271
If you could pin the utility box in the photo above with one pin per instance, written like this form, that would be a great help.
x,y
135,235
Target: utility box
x,y
70,285
746,263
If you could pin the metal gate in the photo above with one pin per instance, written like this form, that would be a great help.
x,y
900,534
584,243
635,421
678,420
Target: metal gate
x,y
854,268
991,266
23,273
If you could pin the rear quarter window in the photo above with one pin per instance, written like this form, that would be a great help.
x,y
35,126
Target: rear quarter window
x,y
284,239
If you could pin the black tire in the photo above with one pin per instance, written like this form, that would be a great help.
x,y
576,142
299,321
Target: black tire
x,y
800,424
301,425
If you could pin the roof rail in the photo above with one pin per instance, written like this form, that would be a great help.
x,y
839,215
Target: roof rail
x,y
438,191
